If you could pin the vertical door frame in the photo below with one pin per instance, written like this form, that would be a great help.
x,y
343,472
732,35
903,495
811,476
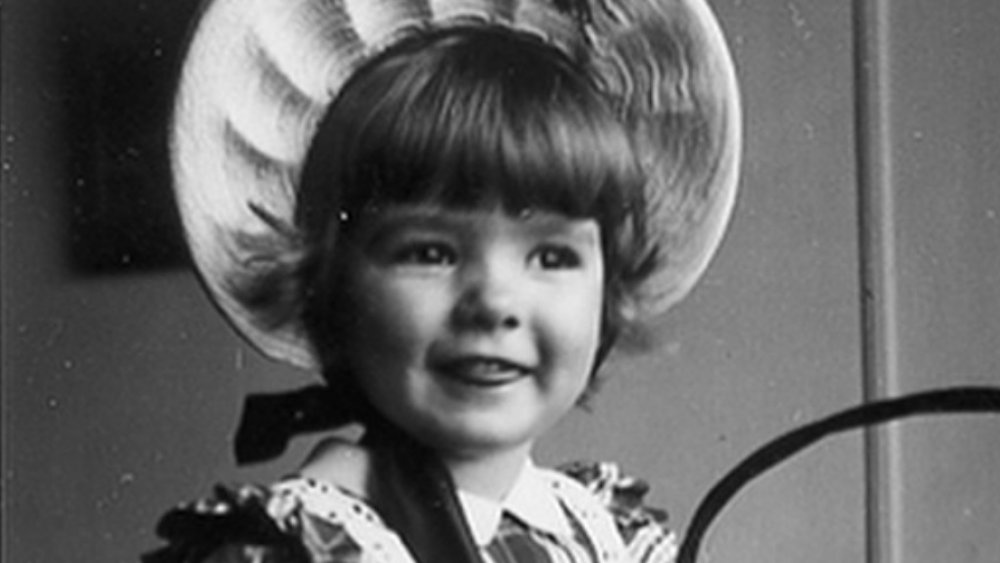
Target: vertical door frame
x,y
877,261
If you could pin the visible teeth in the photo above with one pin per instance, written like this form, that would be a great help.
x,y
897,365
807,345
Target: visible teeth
x,y
488,366
482,369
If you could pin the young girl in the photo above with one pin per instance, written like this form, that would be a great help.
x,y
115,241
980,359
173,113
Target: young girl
x,y
452,211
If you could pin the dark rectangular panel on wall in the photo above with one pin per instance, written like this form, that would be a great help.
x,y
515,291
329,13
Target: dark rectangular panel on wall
x,y
118,62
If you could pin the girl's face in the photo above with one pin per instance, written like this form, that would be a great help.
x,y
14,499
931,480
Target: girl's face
x,y
473,331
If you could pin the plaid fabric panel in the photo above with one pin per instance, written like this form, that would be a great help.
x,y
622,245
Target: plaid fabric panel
x,y
516,543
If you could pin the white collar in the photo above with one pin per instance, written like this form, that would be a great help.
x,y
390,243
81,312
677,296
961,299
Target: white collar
x,y
531,500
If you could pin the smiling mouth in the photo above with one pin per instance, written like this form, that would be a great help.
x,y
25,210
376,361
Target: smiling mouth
x,y
483,371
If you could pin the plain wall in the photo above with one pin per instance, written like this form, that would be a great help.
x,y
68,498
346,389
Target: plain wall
x,y
941,87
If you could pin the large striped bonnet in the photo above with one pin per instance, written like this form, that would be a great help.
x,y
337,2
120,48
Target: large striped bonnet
x,y
260,74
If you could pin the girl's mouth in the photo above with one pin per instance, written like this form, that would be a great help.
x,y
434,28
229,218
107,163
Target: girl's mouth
x,y
483,371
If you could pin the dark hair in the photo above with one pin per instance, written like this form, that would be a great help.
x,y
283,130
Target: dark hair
x,y
469,117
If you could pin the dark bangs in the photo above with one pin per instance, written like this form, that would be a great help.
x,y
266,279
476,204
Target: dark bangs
x,y
470,118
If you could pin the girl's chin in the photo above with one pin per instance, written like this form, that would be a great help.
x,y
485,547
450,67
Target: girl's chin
x,y
480,442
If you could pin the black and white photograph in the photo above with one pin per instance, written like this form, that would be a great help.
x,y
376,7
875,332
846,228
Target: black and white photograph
x,y
500,281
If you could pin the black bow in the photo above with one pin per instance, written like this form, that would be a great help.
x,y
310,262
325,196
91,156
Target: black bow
x,y
270,421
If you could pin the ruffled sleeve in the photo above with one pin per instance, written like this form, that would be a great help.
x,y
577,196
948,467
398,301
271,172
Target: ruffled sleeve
x,y
232,525
251,524
294,521
644,529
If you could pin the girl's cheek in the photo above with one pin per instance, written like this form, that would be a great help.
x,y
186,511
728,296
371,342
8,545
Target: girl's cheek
x,y
395,314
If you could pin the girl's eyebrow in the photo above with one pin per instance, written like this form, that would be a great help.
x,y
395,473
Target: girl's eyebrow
x,y
545,224
383,226
399,217
420,216
385,223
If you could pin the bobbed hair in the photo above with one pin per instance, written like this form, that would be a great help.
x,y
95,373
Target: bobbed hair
x,y
466,118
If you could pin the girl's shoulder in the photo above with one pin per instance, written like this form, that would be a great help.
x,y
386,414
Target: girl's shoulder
x,y
643,529
304,518
298,519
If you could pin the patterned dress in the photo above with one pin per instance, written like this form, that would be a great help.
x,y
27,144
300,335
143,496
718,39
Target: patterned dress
x,y
305,520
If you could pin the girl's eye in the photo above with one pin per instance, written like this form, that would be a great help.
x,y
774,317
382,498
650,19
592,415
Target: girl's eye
x,y
425,254
556,257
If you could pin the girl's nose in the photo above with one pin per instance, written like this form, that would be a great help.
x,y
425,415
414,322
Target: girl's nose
x,y
489,302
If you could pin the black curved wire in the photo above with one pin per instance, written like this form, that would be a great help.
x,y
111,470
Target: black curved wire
x,y
941,401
